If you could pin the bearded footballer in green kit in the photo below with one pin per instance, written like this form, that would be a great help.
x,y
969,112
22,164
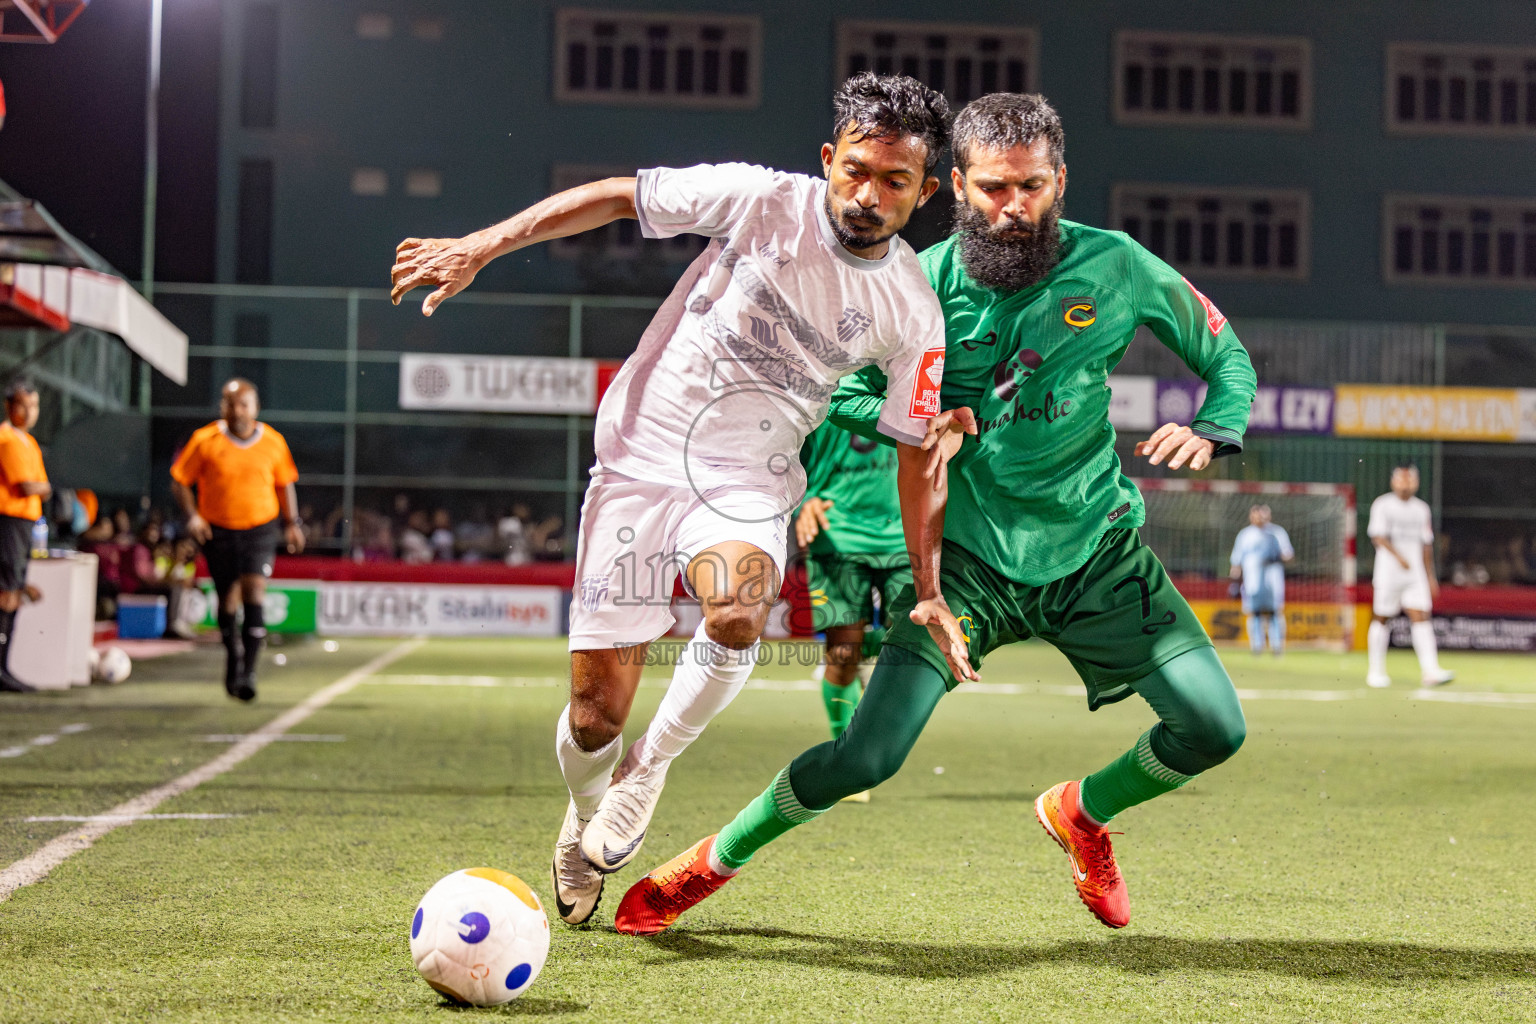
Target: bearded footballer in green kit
x,y
1040,530
849,527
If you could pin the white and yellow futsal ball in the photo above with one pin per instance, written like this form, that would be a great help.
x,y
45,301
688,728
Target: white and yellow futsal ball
x,y
480,936
112,666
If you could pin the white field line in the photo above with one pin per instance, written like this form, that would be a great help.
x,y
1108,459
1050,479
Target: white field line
x,y
47,739
796,685
292,737
128,818
35,866
477,681
1473,697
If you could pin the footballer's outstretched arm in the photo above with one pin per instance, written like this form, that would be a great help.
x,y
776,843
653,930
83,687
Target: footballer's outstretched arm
x,y
856,406
922,523
450,264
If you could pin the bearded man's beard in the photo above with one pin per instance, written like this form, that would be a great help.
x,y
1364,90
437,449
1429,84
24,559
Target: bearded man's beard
x,y
1010,257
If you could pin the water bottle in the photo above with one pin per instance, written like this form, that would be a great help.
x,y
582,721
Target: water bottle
x,y
40,538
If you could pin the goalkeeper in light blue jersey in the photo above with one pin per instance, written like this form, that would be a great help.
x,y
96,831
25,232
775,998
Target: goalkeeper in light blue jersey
x,y
1258,560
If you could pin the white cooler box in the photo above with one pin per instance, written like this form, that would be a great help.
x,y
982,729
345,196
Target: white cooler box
x,y
52,639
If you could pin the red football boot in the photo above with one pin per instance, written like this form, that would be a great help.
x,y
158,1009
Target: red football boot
x,y
1094,872
654,903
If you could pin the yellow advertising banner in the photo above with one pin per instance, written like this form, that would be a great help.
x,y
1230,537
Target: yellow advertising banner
x,y
1307,623
1435,414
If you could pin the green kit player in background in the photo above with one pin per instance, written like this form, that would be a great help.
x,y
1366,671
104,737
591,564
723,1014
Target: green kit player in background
x,y
849,527
1040,530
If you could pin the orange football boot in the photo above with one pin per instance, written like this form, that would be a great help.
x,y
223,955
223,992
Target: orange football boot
x,y
1094,872
654,903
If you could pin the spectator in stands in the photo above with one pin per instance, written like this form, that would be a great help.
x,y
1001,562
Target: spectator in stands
x,y
400,514
180,576
373,540
512,532
99,541
23,488
442,536
122,528
140,575
475,537
415,547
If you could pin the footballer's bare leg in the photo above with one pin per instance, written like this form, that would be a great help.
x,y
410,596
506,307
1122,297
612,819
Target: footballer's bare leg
x,y
737,584
587,745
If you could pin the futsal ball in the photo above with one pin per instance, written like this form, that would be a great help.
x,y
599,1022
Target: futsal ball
x,y
480,936
113,666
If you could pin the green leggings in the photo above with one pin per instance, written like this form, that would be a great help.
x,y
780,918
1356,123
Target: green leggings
x,y
1200,723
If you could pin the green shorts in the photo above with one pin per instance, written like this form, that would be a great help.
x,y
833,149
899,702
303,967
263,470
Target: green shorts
x,y
844,587
1117,618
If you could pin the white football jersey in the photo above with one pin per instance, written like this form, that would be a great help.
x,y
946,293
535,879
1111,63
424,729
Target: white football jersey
x,y
1408,525
740,362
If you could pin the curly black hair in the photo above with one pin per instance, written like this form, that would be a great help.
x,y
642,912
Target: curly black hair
x,y
890,106
1002,120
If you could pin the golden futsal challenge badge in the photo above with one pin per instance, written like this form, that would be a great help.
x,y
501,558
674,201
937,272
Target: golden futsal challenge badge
x,y
1078,313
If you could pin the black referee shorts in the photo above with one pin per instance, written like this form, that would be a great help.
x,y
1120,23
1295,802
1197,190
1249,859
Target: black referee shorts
x,y
235,553
15,552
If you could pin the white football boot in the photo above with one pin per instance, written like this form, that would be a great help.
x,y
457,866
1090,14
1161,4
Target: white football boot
x,y
1378,680
613,836
578,888
1437,678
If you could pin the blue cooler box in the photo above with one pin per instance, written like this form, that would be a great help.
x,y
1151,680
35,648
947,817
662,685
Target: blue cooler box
x,y
141,616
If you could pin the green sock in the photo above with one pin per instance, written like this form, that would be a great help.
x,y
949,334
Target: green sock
x,y
1134,777
840,702
775,811
873,638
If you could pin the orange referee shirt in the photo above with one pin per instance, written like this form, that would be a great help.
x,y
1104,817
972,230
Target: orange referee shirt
x,y
21,461
236,481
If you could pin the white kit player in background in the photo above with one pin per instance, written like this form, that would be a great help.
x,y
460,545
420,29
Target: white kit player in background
x,y
1258,559
804,281
1402,530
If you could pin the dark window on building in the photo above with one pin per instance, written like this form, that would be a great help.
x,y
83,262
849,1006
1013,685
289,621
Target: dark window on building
x,y
1221,231
1184,78
253,226
1454,88
258,67
1472,241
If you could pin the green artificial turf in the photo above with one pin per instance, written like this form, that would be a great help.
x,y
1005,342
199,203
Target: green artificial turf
x,y
1362,859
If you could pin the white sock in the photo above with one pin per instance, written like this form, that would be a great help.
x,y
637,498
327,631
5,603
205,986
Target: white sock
x,y
1277,632
1424,646
1376,640
1255,634
586,772
707,678
717,866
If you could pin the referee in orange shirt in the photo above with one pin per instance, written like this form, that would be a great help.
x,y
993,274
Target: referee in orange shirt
x,y
23,486
244,476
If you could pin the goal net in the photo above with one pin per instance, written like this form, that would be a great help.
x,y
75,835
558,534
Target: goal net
x,y
1192,524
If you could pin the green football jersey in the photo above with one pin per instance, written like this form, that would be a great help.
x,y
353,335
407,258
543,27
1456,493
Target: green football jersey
x,y
1043,484
859,477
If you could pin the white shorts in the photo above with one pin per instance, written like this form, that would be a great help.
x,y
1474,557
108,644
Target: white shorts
x,y
637,537
1395,589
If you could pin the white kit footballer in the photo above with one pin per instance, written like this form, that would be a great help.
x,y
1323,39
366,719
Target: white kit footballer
x,y
698,443
698,437
1409,525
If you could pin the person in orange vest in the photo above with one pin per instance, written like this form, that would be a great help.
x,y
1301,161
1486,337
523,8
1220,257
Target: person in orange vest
x,y
244,476
23,486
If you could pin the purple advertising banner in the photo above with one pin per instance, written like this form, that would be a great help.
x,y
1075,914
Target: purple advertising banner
x,y
1275,409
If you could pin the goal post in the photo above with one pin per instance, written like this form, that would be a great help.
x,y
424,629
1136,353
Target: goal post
x,y
1192,524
